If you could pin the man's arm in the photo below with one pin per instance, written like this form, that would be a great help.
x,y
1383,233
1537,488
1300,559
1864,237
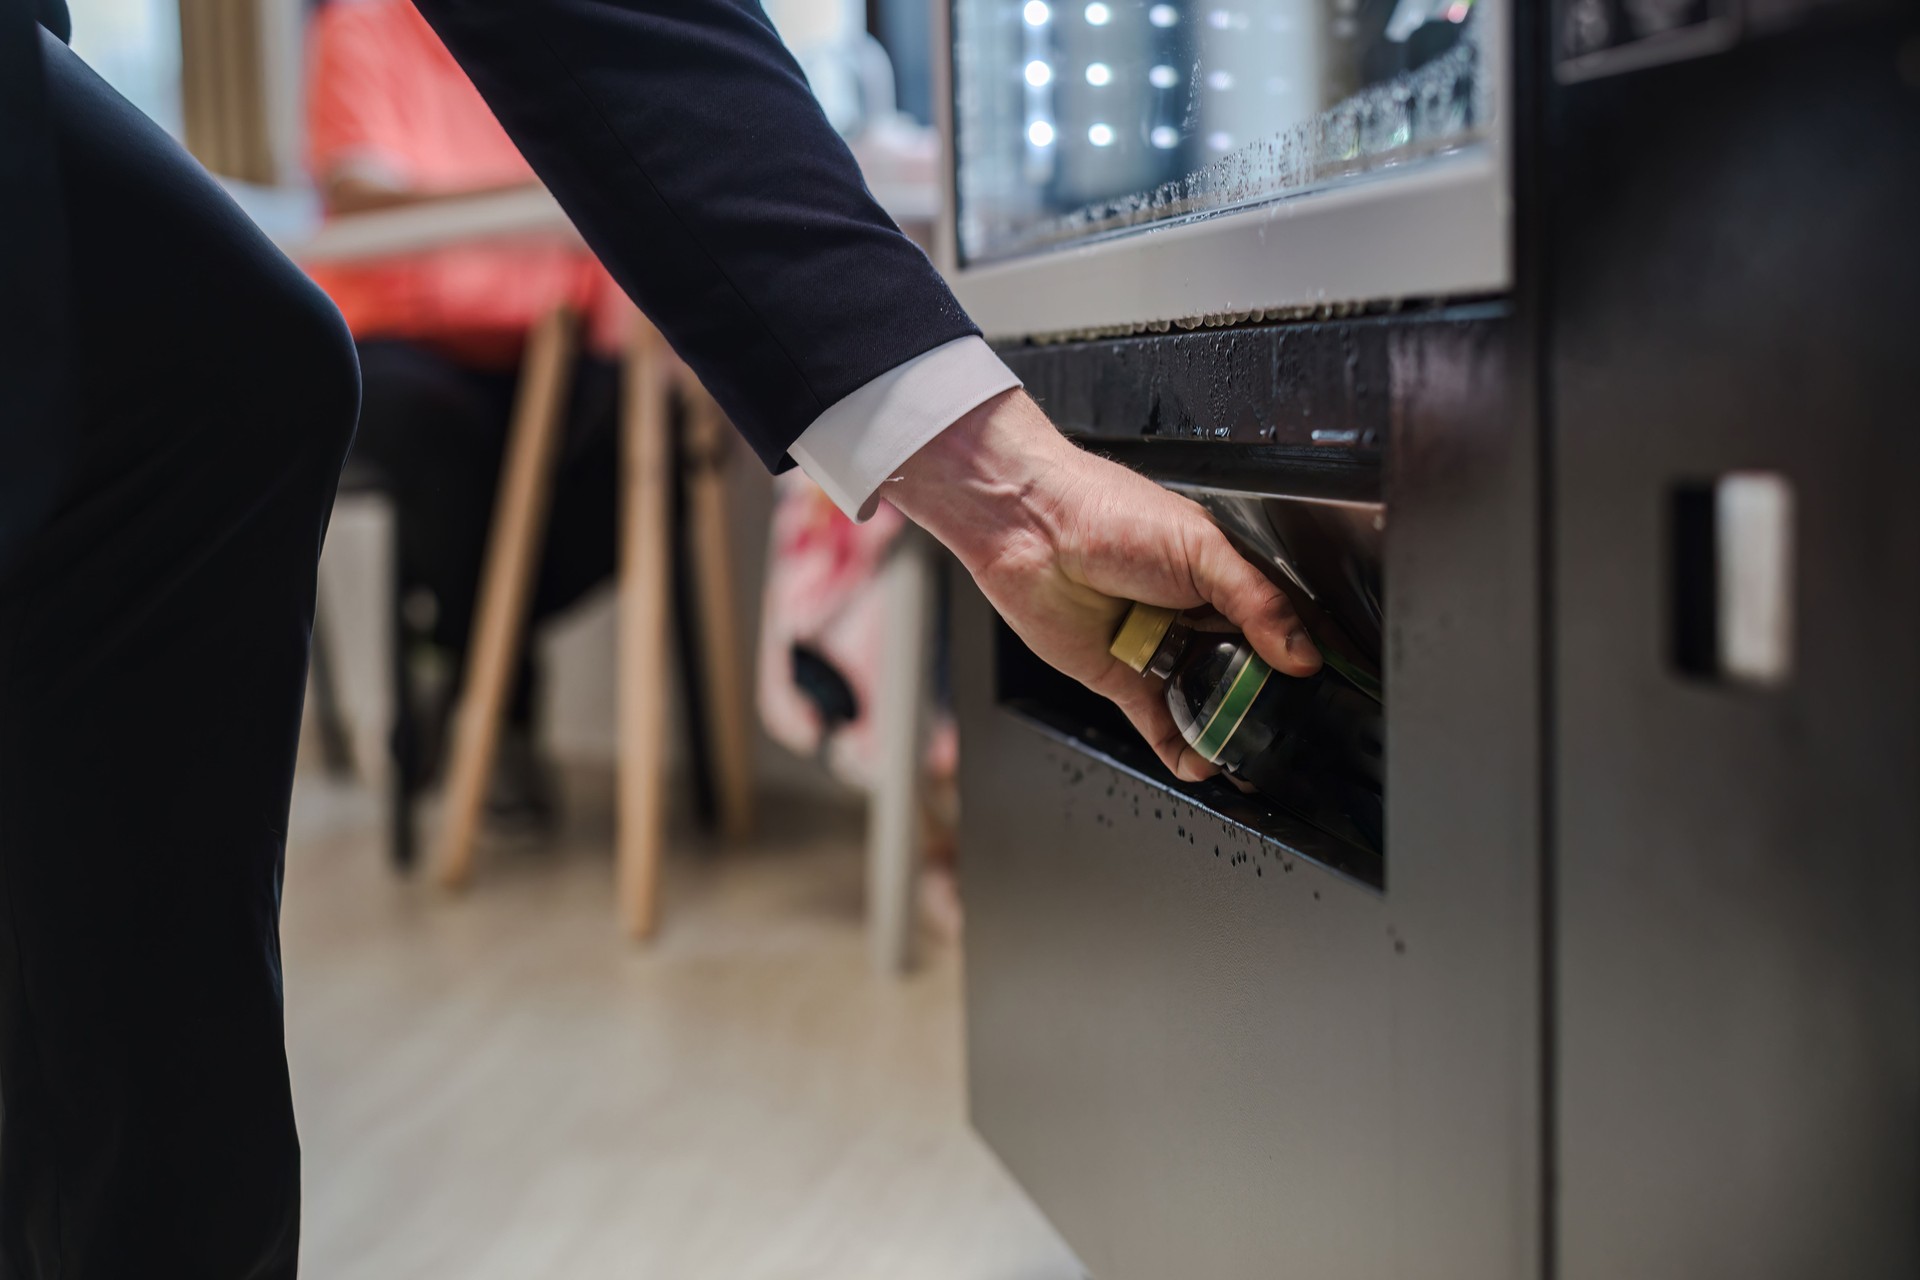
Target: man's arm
x,y
682,139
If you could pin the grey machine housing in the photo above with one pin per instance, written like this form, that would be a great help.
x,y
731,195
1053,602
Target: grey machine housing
x,y
1634,989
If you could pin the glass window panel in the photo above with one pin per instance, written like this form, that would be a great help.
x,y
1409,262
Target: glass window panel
x,y
1081,118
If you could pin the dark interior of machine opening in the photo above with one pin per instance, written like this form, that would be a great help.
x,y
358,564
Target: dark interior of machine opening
x,y
1326,557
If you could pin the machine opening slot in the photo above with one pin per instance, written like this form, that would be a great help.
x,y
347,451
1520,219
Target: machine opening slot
x,y
1328,803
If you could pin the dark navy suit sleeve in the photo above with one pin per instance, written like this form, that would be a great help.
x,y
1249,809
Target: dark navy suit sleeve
x,y
682,139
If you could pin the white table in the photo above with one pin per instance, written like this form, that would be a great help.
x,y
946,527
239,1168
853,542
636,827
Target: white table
x,y
652,374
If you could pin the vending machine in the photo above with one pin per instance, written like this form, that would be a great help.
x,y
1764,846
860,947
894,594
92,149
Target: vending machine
x,y
1558,362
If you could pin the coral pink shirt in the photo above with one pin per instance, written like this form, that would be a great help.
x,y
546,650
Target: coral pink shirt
x,y
385,100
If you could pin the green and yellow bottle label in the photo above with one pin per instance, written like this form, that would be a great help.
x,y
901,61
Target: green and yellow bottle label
x,y
1221,717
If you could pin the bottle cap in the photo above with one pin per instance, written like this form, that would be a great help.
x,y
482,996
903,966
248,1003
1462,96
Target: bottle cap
x,y
1140,634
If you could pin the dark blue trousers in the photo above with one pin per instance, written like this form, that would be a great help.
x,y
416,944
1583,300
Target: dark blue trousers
x,y
154,626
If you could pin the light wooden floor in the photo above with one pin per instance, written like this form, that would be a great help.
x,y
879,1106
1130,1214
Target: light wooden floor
x,y
496,1086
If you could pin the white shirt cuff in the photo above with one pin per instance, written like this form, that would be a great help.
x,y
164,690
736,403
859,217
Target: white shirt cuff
x,y
861,441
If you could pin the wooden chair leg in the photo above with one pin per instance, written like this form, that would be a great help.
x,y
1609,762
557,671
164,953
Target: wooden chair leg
x,y
506,585
646,589
901,714
728,733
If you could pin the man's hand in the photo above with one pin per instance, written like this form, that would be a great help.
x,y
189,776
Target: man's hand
x,y
1061,541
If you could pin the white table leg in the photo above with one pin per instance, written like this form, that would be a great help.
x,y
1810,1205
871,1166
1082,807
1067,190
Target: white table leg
x,y
901,713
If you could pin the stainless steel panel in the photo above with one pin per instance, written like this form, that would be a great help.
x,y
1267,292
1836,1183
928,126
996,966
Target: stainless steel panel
x,y
1432,232
1238,1063
1326,556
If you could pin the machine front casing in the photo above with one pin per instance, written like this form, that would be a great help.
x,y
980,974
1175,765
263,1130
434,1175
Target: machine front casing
x,y
1206,1065
1636,994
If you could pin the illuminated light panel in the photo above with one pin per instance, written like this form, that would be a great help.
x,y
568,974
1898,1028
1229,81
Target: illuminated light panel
x,y
1098,15
1163,15
1040,133
1099,73
1165,137
1220,140
1220,80
1100,135
1163,77
1036,13
1219,19
1038,73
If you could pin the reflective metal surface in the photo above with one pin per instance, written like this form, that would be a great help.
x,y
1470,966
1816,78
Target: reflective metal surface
x,y
1208,1055
1326,555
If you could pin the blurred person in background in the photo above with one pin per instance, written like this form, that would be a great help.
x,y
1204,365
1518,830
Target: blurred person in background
x,y
176,401
392,120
